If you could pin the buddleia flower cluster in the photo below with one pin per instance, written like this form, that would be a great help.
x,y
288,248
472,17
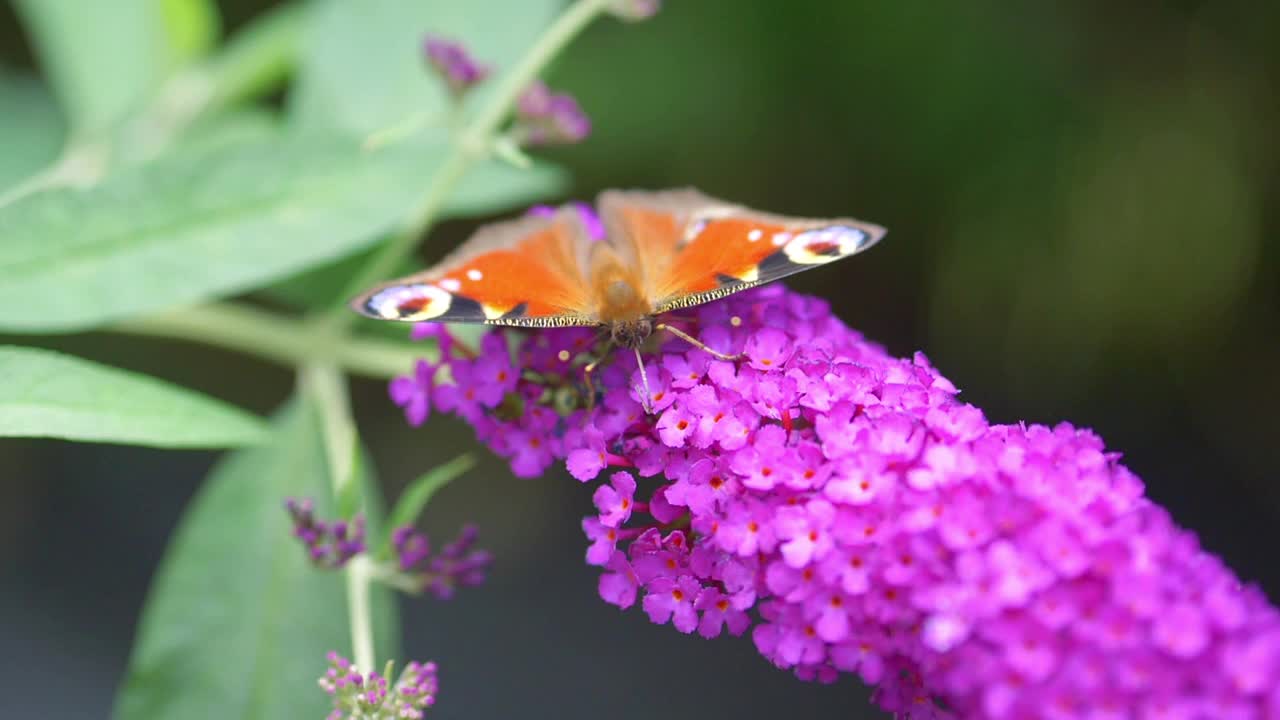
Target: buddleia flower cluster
x,y
374,696
846,509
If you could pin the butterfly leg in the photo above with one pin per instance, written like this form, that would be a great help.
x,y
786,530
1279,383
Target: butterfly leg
x,y
695,342
588,371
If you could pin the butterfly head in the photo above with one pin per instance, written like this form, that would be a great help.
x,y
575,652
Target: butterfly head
x,y
631,333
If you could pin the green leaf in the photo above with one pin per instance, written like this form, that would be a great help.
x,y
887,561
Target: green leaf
x,y
237,622
48,394
31,126
362,67
416,496
217,220
104,58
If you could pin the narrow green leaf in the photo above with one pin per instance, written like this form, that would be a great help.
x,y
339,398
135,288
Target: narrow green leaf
x,y
416,496
102,58
237,622
362,66
258,57
217,220
48,394
31,126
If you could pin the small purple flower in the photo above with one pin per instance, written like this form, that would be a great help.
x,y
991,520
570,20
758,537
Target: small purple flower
x,y
453,64
619,585
414,393
634,10
672,598
718,612
329,544
616,501
547,118
357,697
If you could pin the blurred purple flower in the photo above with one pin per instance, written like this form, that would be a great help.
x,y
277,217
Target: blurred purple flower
x,y
635,9
372,697
591,222
547,118
453,64
860,519
329,544
456,565
413,393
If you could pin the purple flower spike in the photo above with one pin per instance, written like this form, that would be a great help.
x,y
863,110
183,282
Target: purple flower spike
x,y
455,565
849,512
453,64
329,545
546,118
357,697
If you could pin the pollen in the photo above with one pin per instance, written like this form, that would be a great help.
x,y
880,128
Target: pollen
x,y
682,425
735,321
563,355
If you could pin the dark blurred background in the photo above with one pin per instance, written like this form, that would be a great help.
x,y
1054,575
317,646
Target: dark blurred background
x,y
1080,199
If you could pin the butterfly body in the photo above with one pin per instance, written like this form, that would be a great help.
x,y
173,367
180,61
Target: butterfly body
x,y
656,252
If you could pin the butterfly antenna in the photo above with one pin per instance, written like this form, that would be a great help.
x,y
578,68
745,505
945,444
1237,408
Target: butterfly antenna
x,y
695,342
644,380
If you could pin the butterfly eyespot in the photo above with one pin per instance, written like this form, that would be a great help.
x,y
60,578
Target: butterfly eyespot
x,y
814,247
409,302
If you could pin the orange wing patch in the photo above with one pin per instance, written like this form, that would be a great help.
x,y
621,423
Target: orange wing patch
x,y
523,272
693,248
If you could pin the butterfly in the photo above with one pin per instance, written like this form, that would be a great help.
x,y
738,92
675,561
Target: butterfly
x,y
658,252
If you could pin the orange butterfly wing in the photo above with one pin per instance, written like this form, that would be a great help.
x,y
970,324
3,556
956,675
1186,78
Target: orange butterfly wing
x,y
691,248
526,272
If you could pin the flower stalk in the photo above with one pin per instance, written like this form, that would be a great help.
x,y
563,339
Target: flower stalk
x,y
472,144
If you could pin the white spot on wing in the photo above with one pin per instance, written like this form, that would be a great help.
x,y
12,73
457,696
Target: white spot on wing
x,y
451,284
474,275
755,235
780,239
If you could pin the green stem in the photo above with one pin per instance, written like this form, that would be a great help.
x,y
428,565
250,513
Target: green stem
x,y
471,144
277,338
327,388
